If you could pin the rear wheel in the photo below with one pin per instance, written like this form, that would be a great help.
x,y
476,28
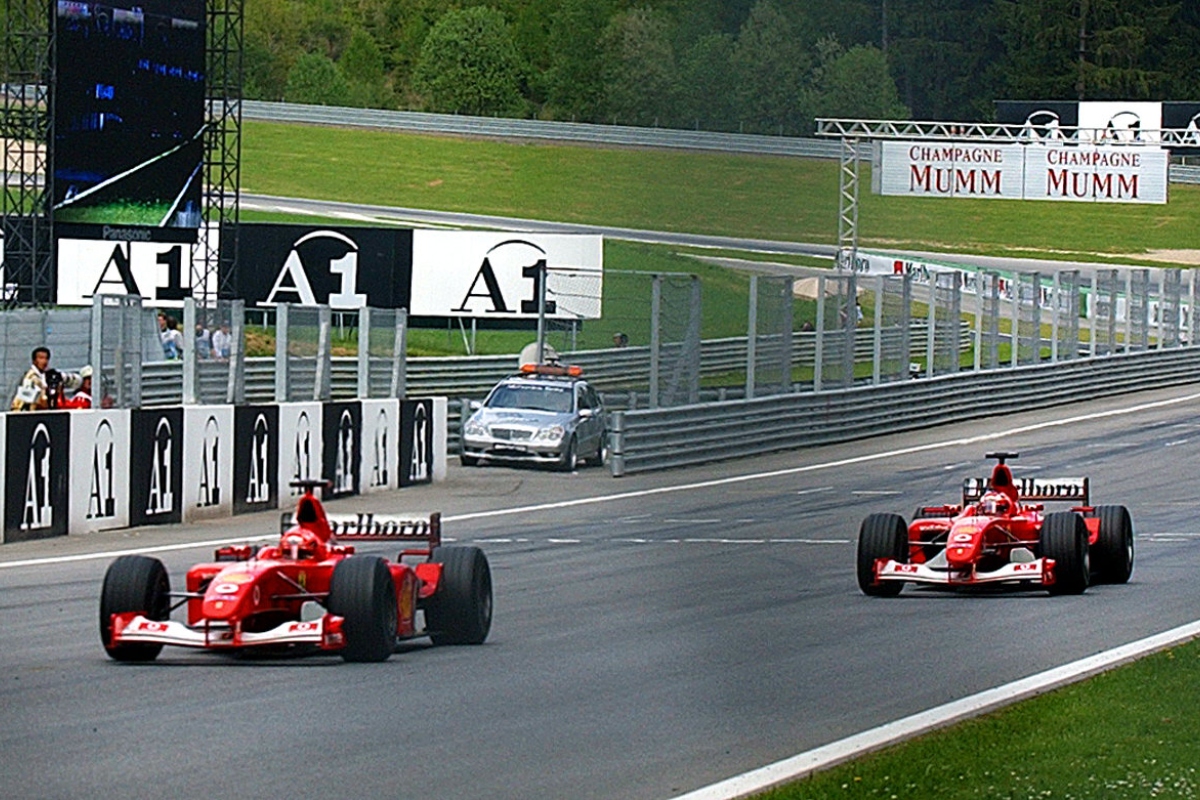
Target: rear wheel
x,y
597,458
363,593
1112,555
134,584
881,536
1064,538
460,612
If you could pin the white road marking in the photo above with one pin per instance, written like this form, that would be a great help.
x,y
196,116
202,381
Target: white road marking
x,y
1177,442
687,487
815,491
883,492
805,764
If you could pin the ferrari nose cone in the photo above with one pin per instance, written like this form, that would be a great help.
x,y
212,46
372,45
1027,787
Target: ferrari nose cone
x,y
963,548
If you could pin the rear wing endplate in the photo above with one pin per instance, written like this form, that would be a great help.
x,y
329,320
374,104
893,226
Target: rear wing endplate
x,y
1038,490
378,527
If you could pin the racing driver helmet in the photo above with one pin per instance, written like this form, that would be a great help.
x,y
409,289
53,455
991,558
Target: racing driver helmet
x,y
995,504
299,544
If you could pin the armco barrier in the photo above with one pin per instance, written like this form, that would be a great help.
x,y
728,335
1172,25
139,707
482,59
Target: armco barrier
x,y
642,441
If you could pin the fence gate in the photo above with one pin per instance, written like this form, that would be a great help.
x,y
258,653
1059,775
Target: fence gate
x,y
1138,309
770,343
893,321
123,336
945,322
837,324
1170,307
1028,300
1065,315
1104,312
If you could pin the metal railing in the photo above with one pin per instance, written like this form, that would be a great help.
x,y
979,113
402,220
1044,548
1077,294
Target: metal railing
x,y
589,133
648,440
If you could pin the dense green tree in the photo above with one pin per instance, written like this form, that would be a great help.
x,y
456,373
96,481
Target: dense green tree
x,y
772,64
856,84
638,68
469,65
316,80
708,86
573,85
362,65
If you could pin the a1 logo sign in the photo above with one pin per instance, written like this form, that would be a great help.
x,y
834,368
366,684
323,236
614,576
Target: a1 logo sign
x,y
292,284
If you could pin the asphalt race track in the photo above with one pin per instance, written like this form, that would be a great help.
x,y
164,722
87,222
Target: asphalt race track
x,y
643,645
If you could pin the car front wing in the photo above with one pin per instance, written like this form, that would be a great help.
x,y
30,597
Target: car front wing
x,y
325,633
1040,570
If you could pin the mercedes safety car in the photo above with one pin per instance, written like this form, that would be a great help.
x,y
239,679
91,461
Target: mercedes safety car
x,y
308,591
546,414
1000,534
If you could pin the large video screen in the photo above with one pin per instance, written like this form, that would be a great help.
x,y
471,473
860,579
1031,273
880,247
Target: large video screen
x,y
129,113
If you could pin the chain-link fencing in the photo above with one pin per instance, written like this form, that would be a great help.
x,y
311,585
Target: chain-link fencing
x,y
769,346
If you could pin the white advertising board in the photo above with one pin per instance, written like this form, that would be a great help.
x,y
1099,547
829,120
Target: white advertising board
x,y
158,272
99,476
207,462
299,447
380,445
1059,172
494,274
1120,120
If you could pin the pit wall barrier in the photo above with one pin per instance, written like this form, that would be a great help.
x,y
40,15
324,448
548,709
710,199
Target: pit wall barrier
x,y
77,471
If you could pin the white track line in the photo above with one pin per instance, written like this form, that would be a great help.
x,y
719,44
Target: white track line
x,y
685,487
805,764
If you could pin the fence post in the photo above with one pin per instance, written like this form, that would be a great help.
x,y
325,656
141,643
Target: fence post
x,y
189,351
752,337
877,345
655,338
400,356
364,352
235,388
931,326
323,382
281,353
819,344
1093,313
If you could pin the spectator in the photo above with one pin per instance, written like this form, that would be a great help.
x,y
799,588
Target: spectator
x,y
83,396
172,339
203,341
620,340
221,341
31,393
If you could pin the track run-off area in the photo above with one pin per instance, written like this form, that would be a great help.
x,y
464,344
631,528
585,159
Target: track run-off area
x,y
653,635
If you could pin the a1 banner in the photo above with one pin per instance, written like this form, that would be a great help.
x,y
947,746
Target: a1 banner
x,y
156,462
342,447
207,462
100,470
299,446
416,442
37,451
255,458
380,445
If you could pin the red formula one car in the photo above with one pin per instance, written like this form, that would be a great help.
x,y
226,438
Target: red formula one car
x,y
1000,534
308,591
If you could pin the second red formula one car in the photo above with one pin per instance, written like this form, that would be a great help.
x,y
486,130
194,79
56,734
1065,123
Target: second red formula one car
x,y
1000,534
309,591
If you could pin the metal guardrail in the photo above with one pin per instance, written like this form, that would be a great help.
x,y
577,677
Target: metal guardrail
x,y
648,440
589,133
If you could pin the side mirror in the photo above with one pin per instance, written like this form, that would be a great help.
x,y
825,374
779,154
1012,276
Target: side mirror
x,y
585,413
475,405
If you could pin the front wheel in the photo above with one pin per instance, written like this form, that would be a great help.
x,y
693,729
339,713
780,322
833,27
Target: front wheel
x,y
137,584
460,612
881,536
570,455
468,461
1064,538
363,593
1113,552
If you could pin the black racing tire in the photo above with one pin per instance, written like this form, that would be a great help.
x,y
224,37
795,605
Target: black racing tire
x,y
597,458
363,593
468,461
1064,538
460,611
1112,555
881,536
134,584
570,455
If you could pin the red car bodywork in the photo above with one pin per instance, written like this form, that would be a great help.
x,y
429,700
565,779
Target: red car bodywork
x,y
278,595
994,536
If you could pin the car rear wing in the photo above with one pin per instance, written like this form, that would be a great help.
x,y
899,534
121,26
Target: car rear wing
x,y
378,527
1037,490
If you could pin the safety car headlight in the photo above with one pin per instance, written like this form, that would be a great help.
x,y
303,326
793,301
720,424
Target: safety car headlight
x,y
550,434
474,428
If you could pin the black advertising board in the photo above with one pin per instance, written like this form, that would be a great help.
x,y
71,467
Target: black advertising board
x,y
1039,114
341,431
156,462
1183,116
37,456
342,267
416,442
255,458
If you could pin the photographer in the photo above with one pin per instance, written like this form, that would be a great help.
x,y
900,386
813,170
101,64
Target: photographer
x,y
42,387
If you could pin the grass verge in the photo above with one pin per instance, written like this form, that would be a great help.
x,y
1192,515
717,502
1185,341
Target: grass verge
x,y
1130,732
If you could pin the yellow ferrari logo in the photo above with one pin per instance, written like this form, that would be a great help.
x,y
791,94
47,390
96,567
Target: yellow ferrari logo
x,y
302,579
